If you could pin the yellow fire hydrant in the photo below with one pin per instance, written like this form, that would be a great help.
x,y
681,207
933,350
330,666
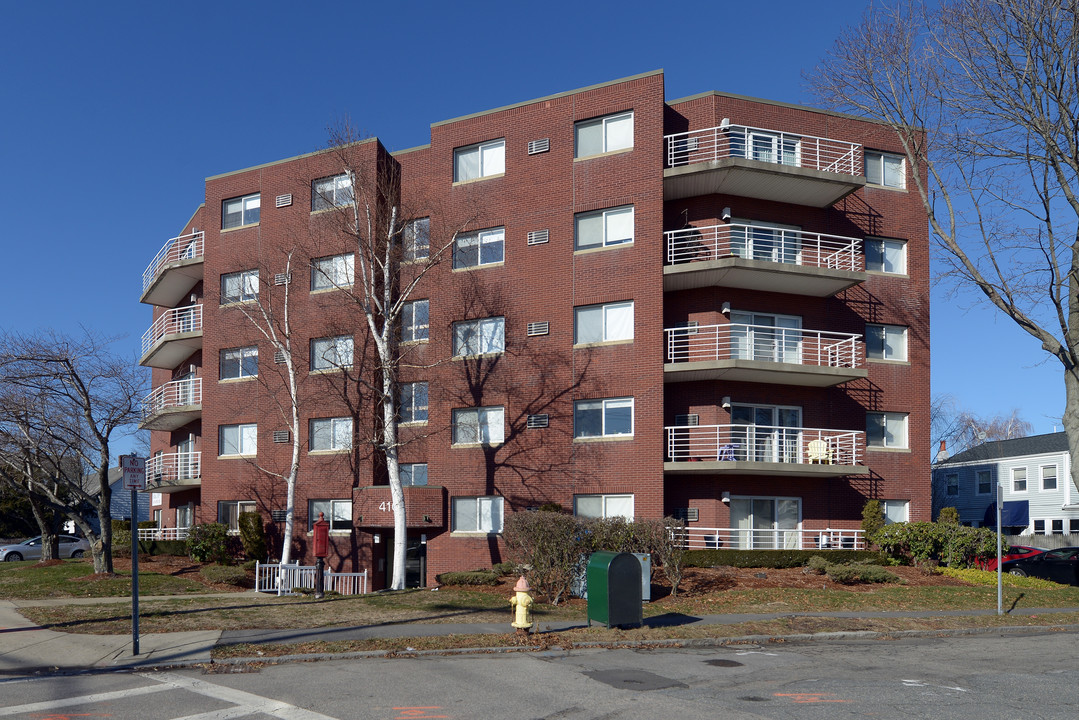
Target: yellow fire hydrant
x,y
522,601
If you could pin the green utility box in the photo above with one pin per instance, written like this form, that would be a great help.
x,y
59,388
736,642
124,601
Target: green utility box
x,y
614,589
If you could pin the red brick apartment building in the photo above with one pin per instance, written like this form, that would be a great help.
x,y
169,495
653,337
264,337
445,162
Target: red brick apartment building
x,y
715,307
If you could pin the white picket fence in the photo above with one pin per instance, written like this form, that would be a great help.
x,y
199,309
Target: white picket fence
x,y
283,579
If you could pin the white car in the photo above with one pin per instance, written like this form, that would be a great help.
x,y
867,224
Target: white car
x,y
70,547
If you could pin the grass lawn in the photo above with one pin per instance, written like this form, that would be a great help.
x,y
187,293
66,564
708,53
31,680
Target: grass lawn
x,y
27,580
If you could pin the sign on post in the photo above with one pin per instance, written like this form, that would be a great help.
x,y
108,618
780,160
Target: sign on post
x,y
134,472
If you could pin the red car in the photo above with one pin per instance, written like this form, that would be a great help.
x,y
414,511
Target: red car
x,y
1013,552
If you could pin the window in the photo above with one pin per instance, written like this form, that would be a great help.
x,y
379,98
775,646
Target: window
x,y
331,192
413,474
228,513
476,161
766,241
603,323
603,506
486,247
239,286
895,511
1073,526
239,363
185,516
338,513
1049,477
238,439
611,417
1019,480
412,402
479,337
951,484
477,514
336,271
240,211
885,169
764,146
483,425
331,352
604,228
330,433
417,239
886,342
886,430
985,482
415,321
886,256
766,336
605,134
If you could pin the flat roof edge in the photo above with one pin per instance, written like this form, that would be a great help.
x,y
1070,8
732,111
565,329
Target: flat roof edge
x,y
288,159
395,153
777,103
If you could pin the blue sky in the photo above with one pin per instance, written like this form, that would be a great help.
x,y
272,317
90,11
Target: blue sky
x,y
112,115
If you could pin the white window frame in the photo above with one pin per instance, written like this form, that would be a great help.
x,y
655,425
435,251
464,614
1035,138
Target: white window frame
x,y
479,425
493,503
880,169
337,430
605,500
245,443
248,211
1015,473
492,241
892,510
412,402
607,217
610,330
416,321
606,408
609,141
951,485
333,272
886,342
331,192
338,511
229,511
892,254
239,356
340,345
490,160
413,474
898,443
417,239
247,286
483,336
1042,477
978,474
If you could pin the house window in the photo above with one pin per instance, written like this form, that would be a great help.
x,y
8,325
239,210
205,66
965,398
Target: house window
x,y
185,516
412,402
604,228
985,482
415,321
477,514
1058,526
766,241
477,161
764,146
239,286
479,337
886,342
885,169
238,439
413,474
951,484
331,352
886,430
605,134
240,211
603,506
766,336
482,425
1019,480
338,513
336,271
1073,526
228,513
330,433
486,247
895,511
331,192
603,323
886,256
239,363
1049,477
417,239
610,417
1039,527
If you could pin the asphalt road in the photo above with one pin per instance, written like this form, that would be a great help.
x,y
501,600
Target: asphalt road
x,y
1033,677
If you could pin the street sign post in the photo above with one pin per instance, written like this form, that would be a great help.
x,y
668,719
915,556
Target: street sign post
x,y
133,469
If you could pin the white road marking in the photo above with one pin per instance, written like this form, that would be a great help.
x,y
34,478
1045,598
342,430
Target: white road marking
x,y
919,683
256,703
223,714
756,652
81,700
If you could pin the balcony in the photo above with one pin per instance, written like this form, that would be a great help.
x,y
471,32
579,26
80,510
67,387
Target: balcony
x,y
172,338
764,164
763,353
759,257
172,405
764,450
172,273
705,538
174,472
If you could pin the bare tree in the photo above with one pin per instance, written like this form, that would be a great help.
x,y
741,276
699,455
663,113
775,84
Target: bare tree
x,y
960,429
984,95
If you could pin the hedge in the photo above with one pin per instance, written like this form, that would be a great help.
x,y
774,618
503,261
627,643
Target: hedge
x,y
775,558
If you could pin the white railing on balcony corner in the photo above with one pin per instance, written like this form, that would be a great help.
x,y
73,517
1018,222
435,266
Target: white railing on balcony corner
x,y
170,322
178,393
171,467
703,538
284,579
178,248
766,343
163,533
771,146
767,244
764,443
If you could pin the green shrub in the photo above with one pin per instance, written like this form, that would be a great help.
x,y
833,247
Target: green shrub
x,y
551,544
226,574
925,542
121,536
857,573
164,547
774,558
817,565
948,516
207,542
253,535
471,577
505,568
872,520
148,525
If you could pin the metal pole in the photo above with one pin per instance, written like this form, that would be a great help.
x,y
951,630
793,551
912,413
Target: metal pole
x,y
1000,586
134,572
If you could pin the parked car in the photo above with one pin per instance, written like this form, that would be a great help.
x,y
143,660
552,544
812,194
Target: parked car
x,y
70,547
1060,565
1014,552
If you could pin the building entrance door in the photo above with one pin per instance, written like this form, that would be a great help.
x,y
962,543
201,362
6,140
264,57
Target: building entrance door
x,y
415,561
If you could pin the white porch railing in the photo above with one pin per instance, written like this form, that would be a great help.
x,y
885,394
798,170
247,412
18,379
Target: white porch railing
x,y
170,467
768,343
174,250
163,533
771,146
764,443
178,393
768,244
282,579
702,538
171,322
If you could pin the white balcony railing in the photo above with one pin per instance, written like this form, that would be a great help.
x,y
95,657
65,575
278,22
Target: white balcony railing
x,y
178,248
163,533
770,146
175,394
169,468
764,443
702,538
767,343
768,244
171,322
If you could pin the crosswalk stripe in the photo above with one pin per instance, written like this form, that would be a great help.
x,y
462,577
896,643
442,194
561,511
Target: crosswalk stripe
x,y
268,706
81,700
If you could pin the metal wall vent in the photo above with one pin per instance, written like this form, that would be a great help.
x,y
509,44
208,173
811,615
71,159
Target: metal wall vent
x,y
687,514
535,147
538,328
284,200
281,436
282,278
538,237
279,357
539,421
687,420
